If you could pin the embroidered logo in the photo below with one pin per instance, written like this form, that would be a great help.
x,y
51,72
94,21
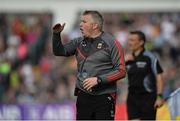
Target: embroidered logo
x,y
83,43
99,46
141,64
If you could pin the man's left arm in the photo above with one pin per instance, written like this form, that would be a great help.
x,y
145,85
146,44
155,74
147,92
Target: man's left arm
x,y
160,86
118,71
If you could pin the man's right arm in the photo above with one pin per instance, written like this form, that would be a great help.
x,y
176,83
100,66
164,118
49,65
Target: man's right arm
x,y
58,48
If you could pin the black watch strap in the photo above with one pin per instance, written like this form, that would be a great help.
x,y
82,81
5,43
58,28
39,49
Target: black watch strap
x,y
99,80
160,96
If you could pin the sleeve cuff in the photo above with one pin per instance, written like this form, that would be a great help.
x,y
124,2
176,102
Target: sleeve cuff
x,y
99,80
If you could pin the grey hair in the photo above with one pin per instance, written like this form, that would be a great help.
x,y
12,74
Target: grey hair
x,y
96,16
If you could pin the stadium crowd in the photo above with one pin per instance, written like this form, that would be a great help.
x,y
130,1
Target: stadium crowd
x,y
30,73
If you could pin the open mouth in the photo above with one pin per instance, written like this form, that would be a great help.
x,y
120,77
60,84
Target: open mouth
x,y
81,30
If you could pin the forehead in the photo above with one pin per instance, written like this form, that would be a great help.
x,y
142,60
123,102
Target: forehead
x,y
87,16
133,36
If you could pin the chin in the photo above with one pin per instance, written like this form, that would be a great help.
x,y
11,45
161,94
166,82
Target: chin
x,y
85,36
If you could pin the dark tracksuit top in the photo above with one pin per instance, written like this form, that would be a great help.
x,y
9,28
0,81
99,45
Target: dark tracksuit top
x,y
142,72
100,57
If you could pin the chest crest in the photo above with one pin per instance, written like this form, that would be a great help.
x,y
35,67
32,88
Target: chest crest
x,y
141,64
99,45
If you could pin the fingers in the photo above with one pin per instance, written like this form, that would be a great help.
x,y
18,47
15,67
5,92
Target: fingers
x,y
87,84
58,27
158,105
155,106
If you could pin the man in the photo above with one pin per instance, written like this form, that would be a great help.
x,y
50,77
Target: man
x,y
144,79
100,64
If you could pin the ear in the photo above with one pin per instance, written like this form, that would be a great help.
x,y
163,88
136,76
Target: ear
x,y
95,26
142,43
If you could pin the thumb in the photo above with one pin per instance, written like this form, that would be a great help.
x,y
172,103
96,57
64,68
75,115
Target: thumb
x,y
63,25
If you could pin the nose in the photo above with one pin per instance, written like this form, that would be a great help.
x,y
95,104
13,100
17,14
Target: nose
x,y
130,43
80,24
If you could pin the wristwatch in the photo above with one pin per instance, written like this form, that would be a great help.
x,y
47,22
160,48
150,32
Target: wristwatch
x,y
159,96
99,80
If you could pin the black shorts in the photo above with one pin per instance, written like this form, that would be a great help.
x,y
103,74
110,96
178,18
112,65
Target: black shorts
x,y
91,107
141,106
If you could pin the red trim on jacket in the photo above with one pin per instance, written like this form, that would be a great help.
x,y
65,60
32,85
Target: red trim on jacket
x,y
113,95
80,53
121,71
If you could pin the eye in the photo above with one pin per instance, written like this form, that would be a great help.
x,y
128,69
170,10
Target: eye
x,y
82,21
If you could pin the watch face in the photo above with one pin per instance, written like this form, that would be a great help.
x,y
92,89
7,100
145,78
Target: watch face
x,y
99,81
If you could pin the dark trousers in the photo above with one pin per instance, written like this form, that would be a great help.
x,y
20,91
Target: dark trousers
x,y
95,107
141,106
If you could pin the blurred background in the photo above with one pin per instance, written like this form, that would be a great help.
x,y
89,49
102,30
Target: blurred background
x,y
34,84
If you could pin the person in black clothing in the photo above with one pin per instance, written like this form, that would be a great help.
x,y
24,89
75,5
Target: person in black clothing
x,y
144,80
100,63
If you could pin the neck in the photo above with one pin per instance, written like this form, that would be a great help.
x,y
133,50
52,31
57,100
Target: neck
x,y
96,34
137,52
